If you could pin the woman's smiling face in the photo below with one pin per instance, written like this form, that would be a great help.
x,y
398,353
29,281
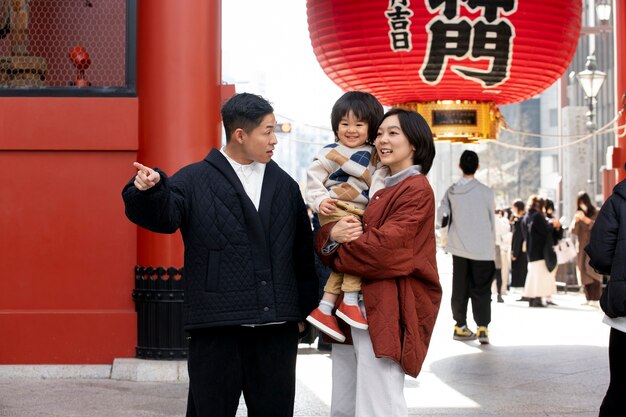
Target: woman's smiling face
x,y
393,146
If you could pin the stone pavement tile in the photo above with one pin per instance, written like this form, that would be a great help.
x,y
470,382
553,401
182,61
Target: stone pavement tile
x,y
467,399
504,412
313,385
96,398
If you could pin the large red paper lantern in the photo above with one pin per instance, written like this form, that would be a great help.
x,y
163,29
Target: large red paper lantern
x,y
429,51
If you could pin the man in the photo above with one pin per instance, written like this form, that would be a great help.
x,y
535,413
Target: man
x,y
249,265
468,206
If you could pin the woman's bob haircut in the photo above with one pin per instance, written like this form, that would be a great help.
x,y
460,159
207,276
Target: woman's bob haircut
x,y
419,135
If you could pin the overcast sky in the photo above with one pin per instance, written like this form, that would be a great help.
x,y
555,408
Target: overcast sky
x,y
266,50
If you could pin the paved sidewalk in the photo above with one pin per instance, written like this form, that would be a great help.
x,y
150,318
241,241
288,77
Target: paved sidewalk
x,y
541,362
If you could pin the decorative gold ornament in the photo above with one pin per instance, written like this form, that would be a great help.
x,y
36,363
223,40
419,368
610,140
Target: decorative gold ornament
x,y
459,120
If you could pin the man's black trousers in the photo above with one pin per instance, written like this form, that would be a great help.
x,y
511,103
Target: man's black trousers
x,y
258,361
613,403
471,280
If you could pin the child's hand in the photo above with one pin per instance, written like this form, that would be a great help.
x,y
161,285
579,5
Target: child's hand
x,y
327,207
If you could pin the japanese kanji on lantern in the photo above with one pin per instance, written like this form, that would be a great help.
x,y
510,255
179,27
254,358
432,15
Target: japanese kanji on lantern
x,y
453,61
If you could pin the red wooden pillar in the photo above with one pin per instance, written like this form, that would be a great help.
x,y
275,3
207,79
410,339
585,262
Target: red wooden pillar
x,y
619,155
178,85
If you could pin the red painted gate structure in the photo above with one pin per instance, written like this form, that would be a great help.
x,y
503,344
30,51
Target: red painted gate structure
x,y
67,252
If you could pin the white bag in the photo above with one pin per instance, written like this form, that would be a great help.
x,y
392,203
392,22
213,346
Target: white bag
x,y
565,251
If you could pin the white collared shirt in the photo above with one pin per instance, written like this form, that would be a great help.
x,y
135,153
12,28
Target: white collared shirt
x,y
251,177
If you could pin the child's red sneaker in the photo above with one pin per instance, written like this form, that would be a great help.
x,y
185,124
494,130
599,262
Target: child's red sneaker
x,y
327,324
352,315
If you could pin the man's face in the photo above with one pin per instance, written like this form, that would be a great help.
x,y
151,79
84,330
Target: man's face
x,y
258,145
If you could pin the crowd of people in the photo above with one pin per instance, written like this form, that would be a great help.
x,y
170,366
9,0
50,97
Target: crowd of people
x,y
523,235
511,248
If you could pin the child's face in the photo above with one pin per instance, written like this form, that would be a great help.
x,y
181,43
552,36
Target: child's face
x,y
352,132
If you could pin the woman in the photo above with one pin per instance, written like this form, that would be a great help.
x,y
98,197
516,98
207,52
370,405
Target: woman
x,y
503,253
584,219
394,253
540,282
519,261
557,235
607,254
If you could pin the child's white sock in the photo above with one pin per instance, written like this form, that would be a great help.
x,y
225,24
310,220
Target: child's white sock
x,y
326,307
351,298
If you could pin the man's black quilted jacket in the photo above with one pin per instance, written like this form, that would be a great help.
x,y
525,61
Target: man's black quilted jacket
x,y
241,266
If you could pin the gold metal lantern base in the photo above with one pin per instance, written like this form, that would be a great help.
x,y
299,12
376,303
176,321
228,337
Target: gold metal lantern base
x,y
459,120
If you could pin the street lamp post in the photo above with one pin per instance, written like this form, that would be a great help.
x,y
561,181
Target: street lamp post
x,y
596,24
591,80
603,10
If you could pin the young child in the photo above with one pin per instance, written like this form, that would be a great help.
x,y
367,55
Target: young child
x,y
339,183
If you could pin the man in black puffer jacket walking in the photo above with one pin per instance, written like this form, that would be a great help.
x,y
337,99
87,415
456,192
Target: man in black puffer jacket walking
x,y
249,263
607,253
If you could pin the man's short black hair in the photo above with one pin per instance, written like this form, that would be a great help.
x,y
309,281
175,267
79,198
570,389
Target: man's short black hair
x,y
519,205
365,107
245,111
469,162
417,131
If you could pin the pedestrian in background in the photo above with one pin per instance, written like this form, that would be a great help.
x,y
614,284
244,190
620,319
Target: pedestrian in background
x,y
503,254
582,225
470,207
607,255
505,250
557,235
519,260
541,281
249,269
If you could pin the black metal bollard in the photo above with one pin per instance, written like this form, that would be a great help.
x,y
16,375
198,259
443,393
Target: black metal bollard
x,y
159,297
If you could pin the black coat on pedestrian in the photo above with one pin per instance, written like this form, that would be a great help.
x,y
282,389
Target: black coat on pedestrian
x,y
242,266
607,251
535,228
519,265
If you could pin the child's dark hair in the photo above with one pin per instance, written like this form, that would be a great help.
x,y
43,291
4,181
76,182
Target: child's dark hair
x,y
365,108
469,162
245,111
417,131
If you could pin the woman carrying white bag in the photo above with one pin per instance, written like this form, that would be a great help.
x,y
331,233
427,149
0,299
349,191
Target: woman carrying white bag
x,y
565,251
